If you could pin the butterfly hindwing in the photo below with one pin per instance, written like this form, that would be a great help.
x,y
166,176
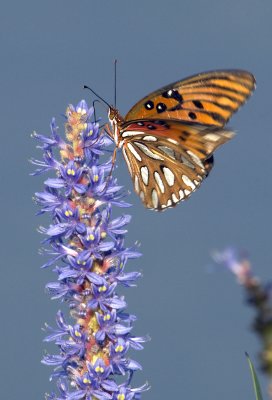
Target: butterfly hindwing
x,y
165,168
208,98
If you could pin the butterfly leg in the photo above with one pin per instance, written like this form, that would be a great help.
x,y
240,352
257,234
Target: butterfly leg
x,y
113,161
111,135
109,131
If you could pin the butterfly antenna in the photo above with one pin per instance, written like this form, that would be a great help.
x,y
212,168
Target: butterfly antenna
x,y
101,98
95,101
115,81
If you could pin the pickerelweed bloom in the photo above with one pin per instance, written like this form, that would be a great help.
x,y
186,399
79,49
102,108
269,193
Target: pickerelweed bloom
x,y
88,254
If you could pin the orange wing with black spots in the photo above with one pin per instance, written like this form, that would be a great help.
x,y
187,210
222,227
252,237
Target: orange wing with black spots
x,y
208,98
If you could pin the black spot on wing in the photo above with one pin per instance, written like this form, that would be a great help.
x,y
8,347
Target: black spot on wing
x,y
177,96
217,117
198,104
208,164
161,107
177,107
149,105
192,115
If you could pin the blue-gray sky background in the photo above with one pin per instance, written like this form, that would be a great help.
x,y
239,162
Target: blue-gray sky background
x,y
193,311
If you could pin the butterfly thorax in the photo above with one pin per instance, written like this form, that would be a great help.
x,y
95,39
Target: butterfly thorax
x,y
116,121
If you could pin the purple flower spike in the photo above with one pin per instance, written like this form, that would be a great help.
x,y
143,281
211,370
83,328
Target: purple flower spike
x,y
89,256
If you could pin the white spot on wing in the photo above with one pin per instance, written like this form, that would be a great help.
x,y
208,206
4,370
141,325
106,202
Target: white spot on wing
x,y
187,192
155,199
134,152
175,199
150,138
127,161
195,159
131,133
188,182
136,184
148,152
169,176
159,181
169,203
169,152
186,162
172,141
196,182
181,194
144,173
212,137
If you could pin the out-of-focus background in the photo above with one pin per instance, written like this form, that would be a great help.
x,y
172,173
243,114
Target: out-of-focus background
x,y
192,309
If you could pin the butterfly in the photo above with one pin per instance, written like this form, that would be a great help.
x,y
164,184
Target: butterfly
x,y
168,138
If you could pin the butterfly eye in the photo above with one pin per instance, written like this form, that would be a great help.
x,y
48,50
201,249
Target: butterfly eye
x,y
111,114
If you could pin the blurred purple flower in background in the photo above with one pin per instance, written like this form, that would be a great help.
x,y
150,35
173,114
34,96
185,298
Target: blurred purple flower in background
x,y
258,296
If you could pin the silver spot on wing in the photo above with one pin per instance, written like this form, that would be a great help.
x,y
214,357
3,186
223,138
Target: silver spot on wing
x,y
147,151
195,159
127,160
159,181
174,198
172,141
145,175
169,152
136,184
169,176
131,133
134,152
155,198
188,182
150,138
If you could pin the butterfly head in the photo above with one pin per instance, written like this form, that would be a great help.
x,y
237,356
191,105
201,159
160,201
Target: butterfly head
x,y
114,116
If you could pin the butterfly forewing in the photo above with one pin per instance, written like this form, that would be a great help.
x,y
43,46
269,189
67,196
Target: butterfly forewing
x,y
209,98
165,168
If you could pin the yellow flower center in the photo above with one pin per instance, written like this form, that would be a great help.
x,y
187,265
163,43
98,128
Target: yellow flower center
x,y
70,171
68,213
78,334
81,262
106,317
99,369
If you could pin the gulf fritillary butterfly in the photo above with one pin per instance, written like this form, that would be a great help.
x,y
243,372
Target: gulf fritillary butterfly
x,y
168,138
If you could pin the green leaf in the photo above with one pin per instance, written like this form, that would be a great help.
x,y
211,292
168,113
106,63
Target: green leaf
x,y
255,380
